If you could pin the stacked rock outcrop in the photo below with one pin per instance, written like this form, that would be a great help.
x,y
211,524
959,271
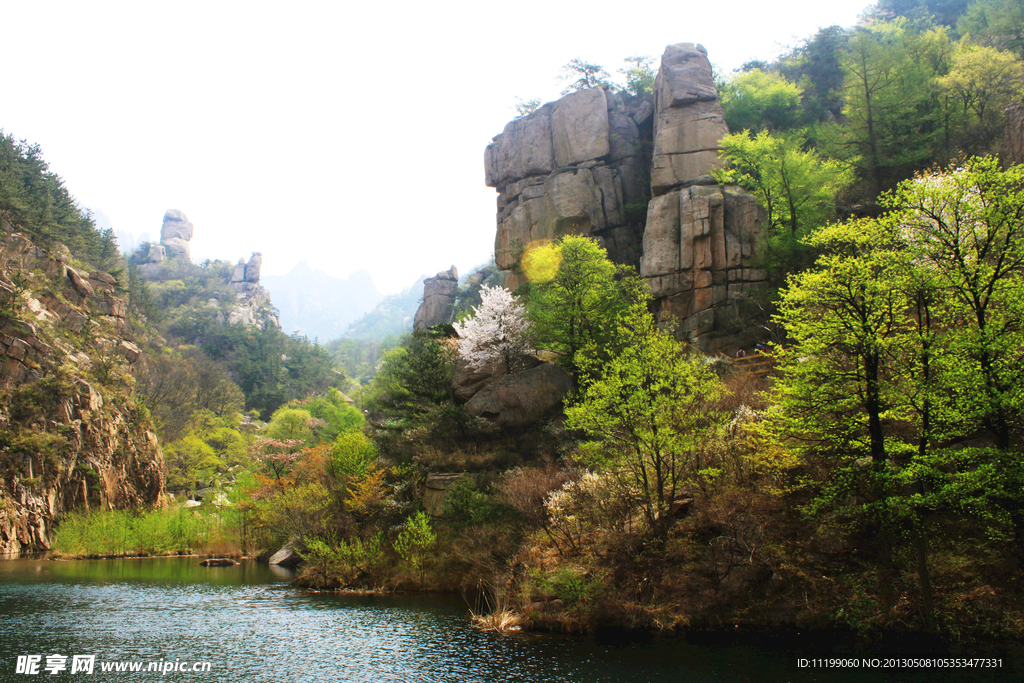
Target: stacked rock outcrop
x,y
438,299
570,167
574,165
175,233
252,305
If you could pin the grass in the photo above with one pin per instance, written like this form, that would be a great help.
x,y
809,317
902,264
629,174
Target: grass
x,y
114,533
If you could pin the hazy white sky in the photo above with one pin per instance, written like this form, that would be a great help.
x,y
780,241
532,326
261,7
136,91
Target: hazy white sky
x,y
347,134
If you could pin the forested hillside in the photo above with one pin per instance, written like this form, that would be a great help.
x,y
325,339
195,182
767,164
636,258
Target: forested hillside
x,y
147,343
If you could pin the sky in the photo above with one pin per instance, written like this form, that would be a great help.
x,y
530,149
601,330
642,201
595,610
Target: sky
x,y
350,135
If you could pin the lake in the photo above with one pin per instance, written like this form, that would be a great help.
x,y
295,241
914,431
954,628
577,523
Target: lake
x,y
177,621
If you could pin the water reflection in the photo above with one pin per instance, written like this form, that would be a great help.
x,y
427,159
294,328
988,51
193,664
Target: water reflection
x,y
251,624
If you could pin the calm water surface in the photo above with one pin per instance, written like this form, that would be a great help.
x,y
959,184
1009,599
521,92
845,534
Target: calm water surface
x,y
251,624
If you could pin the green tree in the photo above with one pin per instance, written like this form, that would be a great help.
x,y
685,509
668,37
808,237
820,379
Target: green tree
x,y
895,117
967,226
415,379
943,12
757,101
575,295
35,200
984,81
797,188
841,319
817,67
415,538
846,321
352,455
190,460
651,415
995,23
900,340
583,75
335,414
291,424
639,76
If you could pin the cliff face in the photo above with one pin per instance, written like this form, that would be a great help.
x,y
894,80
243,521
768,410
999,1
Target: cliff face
x,y
252,303
70,434
438,299
571,167
579,165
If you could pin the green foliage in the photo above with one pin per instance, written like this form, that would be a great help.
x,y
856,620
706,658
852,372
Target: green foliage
x,y
190,460
464,504
895,117
841,318
345,560
104,533
176,383
359,358
983,81
650,414
995,23
35,200
577,590
583,75
526,107
574,296
965,228
900,342
413,391
141,302
291,424
302,510
797,188
816,66
333,414
639,75
270,367
756,101
415,538
925,12
352,455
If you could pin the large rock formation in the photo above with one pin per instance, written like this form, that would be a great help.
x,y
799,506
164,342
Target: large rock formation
x,y
252,303
522,398
72,436
176,233
438,299
576,165
570,167
701,239
688,120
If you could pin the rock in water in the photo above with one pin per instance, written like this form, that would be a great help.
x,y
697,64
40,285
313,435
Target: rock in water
x,y
218,562
286,556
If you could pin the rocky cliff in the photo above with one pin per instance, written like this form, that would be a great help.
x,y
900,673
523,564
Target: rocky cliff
x,y
438,299
581,164
71,436
252,304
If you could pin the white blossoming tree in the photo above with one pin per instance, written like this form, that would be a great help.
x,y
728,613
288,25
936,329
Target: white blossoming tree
x,y
498,330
